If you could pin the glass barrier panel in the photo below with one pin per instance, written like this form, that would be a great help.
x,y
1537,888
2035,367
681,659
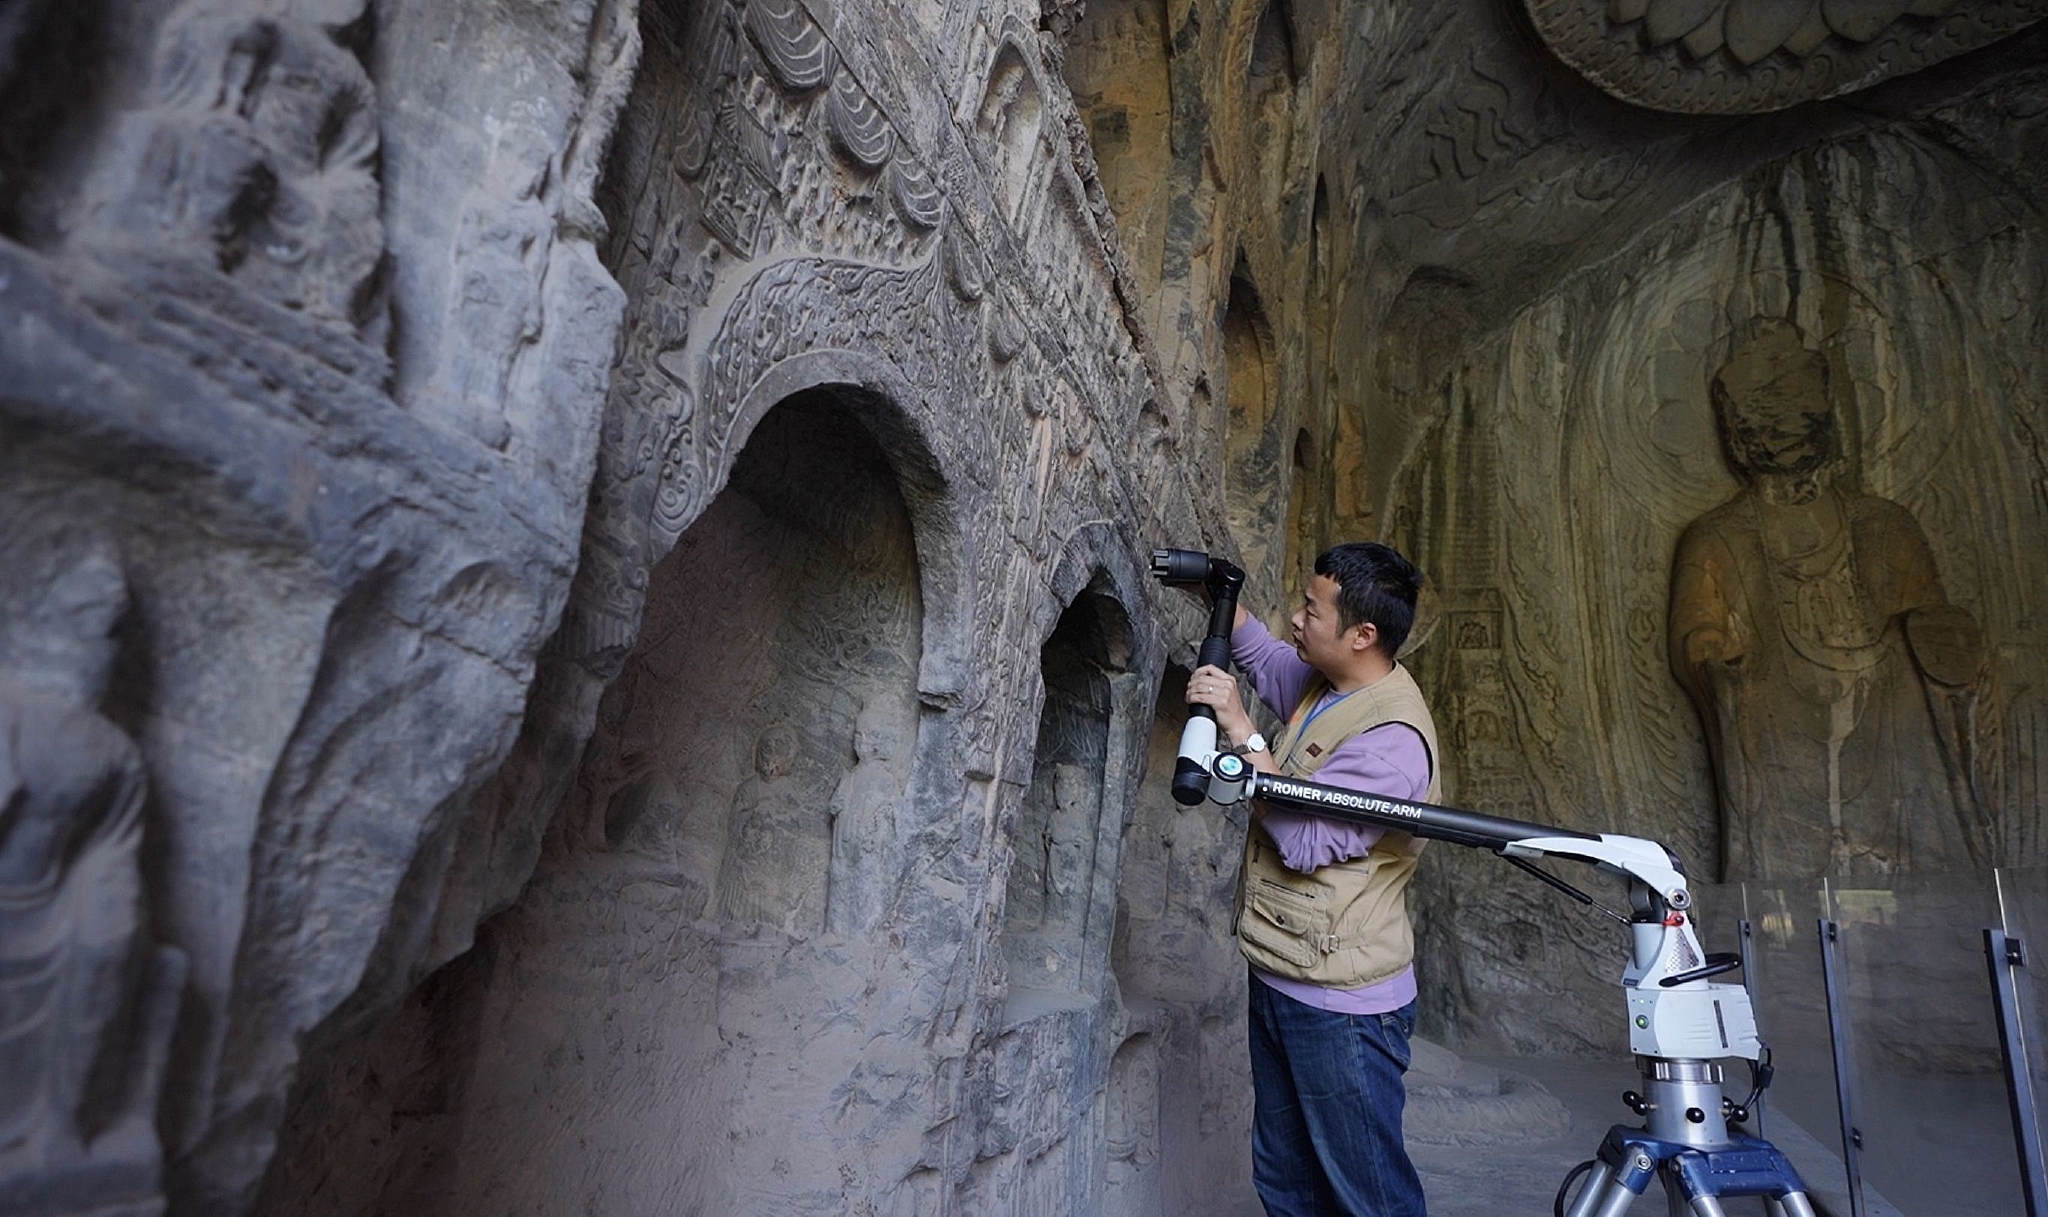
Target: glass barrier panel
x,y
2023,896
1930,1085
1785,987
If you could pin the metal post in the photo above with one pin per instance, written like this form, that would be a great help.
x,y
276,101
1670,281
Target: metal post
x,y
1845,1066
2003,953
1746,944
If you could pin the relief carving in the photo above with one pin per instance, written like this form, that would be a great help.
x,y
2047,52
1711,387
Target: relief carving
x,y
860,131
777,856
1837,684
793,46
917,195
87,1000
864,811
1008,121
255,146
1730,57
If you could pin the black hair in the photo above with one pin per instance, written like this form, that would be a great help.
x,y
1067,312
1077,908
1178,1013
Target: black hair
x,y
1376,584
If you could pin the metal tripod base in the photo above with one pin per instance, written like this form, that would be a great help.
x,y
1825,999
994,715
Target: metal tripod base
x,y
1696,1179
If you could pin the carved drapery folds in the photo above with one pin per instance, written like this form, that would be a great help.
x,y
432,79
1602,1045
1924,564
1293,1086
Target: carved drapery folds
x,y
791,44
1737,57
860,131
87,998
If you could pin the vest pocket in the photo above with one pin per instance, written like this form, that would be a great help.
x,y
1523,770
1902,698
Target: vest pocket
x,y
1283,922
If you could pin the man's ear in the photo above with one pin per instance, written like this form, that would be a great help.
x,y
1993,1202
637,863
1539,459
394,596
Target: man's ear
x,y
1364,636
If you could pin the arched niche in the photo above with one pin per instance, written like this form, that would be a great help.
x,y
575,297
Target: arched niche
x,y
769,706
1134,1175
1270,81
1009,121
1255,469
1057,912
1118,72
733,826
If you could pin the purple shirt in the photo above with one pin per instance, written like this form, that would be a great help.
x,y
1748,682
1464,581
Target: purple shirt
x,y
1391,759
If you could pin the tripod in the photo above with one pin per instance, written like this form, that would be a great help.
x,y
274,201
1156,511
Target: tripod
x,y
1683,1108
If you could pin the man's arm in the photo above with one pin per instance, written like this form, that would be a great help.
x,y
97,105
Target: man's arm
x,y
1279,675
1276,671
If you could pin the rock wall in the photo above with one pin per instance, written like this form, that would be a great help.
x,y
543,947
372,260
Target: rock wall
x,y
810,855
337,529
577,635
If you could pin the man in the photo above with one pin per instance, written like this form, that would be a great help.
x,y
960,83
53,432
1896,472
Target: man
x,y
1321,914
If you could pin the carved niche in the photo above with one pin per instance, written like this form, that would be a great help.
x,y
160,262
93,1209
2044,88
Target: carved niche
x,y
1732,57
1008,122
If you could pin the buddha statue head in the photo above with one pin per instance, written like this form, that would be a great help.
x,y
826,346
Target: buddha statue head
x,y
1773,401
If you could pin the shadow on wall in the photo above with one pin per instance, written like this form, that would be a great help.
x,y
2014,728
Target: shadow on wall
x,y
1255,458
734,818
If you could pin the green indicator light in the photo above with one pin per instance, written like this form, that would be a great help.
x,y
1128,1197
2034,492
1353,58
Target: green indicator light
x,y
1643,1021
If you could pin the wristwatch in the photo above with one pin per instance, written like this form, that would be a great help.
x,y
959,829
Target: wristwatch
x,y
1253,743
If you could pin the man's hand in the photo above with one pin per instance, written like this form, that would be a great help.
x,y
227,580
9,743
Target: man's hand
x,y
1215,688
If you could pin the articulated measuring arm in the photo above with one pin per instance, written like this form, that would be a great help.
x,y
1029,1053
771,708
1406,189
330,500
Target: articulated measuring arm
x,y
1634,858
1672,1011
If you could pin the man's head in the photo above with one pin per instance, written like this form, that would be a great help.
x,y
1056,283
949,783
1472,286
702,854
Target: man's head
x,y
1358,608
1773,401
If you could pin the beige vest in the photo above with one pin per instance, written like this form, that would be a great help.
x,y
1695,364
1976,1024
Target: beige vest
x,y
1345,925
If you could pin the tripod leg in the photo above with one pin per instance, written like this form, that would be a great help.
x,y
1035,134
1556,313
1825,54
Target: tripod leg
x,y
1793,1204
1674,1193
1604,1196
1708,1206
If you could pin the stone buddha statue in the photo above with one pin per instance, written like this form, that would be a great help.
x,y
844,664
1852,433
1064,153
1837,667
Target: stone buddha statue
x,y
86,999
1808,622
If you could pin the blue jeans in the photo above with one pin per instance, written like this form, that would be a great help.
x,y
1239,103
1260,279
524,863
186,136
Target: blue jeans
x,y
1326,1124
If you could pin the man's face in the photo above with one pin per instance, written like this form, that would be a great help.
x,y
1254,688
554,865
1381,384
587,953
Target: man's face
x,y
1319,636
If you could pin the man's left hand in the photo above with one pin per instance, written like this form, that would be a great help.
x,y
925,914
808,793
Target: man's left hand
x,y
1215,688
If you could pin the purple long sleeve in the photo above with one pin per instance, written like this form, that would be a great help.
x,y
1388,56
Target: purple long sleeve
x,y
1275,670
1390,759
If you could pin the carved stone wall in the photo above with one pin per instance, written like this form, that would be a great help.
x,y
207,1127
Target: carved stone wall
x,y
218,340
576,591
824,785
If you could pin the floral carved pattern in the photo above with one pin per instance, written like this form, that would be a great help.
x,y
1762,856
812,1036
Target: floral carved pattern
x,y
1755,56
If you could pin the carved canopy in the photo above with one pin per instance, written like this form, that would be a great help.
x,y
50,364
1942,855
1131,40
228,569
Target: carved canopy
x,y
1754,56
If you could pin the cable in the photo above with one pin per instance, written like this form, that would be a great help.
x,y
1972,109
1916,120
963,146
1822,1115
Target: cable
x,y
1557,1207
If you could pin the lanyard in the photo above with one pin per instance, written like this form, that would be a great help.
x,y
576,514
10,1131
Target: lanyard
x,y
1321,705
